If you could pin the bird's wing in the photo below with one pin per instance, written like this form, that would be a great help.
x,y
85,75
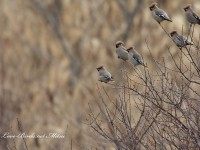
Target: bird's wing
x,y
161,13
180,38
196,16
185,41
138,58
107,75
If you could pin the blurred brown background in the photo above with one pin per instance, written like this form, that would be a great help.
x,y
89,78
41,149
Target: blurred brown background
x,y
49,52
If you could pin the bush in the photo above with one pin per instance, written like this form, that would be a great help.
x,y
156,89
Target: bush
x,y
167,100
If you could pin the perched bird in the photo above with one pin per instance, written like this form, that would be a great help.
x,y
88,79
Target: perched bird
x,y
104,75
134,57
180,40
121,50
191,16
158,14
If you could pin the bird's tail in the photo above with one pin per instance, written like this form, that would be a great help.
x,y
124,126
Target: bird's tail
x,y
199,21
168,19
165,18
189,43
143,65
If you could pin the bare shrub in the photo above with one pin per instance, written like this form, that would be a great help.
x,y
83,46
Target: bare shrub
x,y
167,100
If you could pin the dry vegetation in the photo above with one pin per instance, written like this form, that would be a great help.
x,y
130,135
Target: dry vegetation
x,y
48,54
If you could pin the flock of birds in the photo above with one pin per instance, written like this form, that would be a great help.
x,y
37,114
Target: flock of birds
x,y
134,57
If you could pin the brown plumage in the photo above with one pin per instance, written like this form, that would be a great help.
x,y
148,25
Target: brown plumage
x,y
104,75
134,57
180,40
121,51
191,16
158,14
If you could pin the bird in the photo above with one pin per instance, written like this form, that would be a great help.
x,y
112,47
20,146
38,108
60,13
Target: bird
x,y
191,16
121,51
158,14
134,57
180,40
104,75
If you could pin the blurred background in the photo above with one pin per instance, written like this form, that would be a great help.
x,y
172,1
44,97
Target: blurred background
x,y
49,53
